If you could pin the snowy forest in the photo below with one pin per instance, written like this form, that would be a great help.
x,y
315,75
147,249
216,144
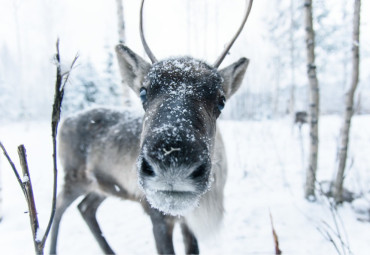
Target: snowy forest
x,y
296,132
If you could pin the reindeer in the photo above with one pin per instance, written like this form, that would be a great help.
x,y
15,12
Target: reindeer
x,y
171,160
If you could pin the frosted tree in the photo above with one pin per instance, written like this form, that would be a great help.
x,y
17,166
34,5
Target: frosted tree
x,y
110,82
285,26
349,102
85,90
331,39
90,92
92,87
314,99
286,33
346,43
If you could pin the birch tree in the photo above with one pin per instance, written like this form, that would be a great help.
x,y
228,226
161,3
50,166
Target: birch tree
x,y
292,59
314,99
349,101
122,39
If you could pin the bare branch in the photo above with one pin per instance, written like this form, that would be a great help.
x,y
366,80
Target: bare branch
x,y
67,74
55,118
12,165
275,236
28,192
25,182
26,186
337,230
328,237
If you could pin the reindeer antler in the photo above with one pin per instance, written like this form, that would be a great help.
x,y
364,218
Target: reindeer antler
x,y
227,48
146,47
220,58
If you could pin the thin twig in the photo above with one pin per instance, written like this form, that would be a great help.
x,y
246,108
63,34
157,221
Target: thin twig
x,y
335,215
12,165
328,237
67,74
338,235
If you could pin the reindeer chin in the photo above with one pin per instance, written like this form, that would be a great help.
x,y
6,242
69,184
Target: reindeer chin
x,y
172,202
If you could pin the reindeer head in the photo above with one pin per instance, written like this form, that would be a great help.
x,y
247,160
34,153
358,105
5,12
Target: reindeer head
x,y
182,98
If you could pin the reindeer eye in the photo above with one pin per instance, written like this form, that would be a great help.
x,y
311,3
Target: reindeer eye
x,y
143,94
221,103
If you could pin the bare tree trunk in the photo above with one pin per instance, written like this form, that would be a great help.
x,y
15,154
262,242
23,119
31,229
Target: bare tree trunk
x,y
313,115
277,69
292,61
121,22
345,53
338,188
122,39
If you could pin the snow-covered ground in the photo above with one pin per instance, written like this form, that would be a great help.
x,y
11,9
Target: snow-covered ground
x,y
266,174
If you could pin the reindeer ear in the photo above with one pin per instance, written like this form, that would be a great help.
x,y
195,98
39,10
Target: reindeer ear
x,y
133,68
233,76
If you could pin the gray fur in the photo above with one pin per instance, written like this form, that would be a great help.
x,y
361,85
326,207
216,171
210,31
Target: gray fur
x,y
171,160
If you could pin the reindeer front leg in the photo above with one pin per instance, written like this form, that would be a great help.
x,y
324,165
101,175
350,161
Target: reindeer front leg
x,y
88,207
162,229
190,241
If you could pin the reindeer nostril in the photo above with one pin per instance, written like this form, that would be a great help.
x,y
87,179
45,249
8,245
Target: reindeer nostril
x,y
199,171
146,169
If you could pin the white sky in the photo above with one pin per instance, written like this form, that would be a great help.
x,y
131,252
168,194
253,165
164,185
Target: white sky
x,y
86,25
